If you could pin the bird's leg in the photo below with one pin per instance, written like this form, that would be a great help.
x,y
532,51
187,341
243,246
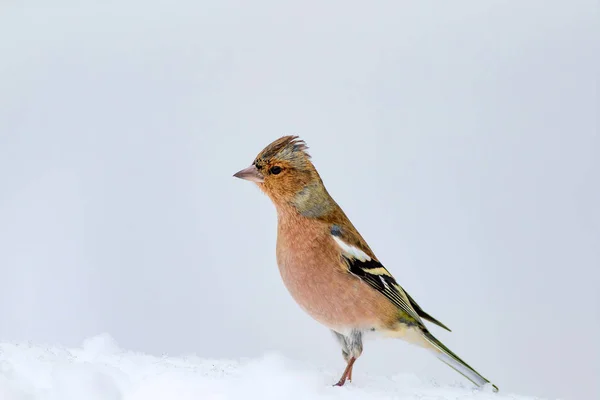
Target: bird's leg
x,y
351,349
347,372
350,372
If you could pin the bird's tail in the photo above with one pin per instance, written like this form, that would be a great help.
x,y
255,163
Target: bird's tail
x,y
445,355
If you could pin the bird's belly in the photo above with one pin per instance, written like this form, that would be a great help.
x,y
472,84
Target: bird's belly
x,y
334,297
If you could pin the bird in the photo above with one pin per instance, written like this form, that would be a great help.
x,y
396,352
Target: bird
x,y
330,270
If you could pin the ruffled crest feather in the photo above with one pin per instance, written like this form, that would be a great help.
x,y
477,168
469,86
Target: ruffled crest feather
x,y
287,148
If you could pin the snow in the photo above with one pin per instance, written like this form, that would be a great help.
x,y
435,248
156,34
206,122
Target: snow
x,y
100,370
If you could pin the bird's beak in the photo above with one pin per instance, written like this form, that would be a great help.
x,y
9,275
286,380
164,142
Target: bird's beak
x,y
250,174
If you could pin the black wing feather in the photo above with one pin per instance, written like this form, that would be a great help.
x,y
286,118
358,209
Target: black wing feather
x,y
424,315
378,277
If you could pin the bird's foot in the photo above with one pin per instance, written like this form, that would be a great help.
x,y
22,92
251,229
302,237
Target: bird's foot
x,y
347,375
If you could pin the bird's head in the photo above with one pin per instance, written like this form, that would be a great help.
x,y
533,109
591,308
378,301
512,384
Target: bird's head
x,y
283,171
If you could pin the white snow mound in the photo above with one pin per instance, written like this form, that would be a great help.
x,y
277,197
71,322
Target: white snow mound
x,y
101,371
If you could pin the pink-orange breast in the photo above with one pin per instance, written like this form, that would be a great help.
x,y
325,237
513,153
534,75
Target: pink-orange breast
x,y
311,267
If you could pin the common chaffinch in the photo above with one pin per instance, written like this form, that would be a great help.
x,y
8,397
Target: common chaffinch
x,y
329,269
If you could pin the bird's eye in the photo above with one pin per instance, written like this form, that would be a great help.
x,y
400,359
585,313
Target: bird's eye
x,y
275,170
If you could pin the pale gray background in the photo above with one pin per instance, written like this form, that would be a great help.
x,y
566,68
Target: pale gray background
x,y
460,137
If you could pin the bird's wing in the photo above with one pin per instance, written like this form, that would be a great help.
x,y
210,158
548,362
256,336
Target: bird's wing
x,y
379,278
425,315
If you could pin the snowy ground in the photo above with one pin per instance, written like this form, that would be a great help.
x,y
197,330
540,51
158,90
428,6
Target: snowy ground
x,y
101,371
